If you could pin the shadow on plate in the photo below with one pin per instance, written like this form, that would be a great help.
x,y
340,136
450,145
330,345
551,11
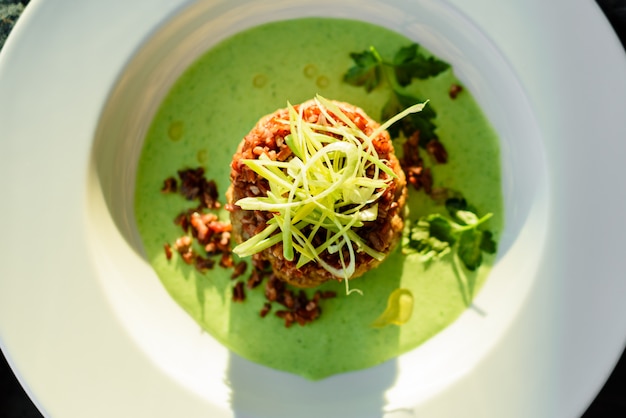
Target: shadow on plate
x,y
359,394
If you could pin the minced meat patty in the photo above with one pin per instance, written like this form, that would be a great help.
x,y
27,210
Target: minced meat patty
x,y
268,137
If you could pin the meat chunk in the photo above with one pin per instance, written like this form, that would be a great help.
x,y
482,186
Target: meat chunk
x,y
269,138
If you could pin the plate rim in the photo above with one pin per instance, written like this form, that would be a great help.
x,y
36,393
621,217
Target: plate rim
x,y
31,15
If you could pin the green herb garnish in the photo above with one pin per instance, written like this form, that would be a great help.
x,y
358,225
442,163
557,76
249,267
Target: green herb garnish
x,y
409,63
436,235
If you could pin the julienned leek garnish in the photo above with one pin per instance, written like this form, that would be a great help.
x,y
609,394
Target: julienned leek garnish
x,y
324,189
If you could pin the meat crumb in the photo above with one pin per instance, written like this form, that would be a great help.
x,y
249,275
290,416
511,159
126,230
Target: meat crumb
x,y
454,91
168,251
170,185
298,308
436,149
226,261
329,294
203,264
287,316
204,230
239,294
267,307
255,279
240,269
201,227
188,256
194,185
417,175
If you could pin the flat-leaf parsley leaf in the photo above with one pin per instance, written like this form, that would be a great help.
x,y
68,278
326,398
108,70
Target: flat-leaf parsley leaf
x,y
367,70
436,235
409,63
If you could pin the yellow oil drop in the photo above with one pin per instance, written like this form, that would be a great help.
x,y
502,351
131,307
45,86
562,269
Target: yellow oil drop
x,y
399,309
259,80
175,131
322,81
201,156
310,70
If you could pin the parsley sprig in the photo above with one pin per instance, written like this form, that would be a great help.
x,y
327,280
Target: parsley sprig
x,y
435,235
409,63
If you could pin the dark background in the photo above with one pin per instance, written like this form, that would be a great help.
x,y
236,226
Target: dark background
x,y
610,402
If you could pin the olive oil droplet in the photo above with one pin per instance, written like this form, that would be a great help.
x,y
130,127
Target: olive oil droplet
x,y
175,131
201,156
310,71
259,80
399,309
322,81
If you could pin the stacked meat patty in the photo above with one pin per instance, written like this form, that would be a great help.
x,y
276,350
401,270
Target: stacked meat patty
x,y
269,138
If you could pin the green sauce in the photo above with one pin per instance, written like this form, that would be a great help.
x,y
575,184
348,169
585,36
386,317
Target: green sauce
x,y
202,120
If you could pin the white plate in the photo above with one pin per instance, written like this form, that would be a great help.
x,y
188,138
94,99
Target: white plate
x,y
90,332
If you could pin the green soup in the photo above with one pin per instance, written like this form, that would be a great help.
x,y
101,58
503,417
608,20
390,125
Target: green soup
x,y
202,120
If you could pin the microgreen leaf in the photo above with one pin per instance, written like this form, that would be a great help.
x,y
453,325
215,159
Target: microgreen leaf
x,y
366,72
435,235
410,63
466,217
470,251
488,244
454,204
431,238
441,229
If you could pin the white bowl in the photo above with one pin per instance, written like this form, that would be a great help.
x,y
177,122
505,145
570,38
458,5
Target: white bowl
x,y
92,310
